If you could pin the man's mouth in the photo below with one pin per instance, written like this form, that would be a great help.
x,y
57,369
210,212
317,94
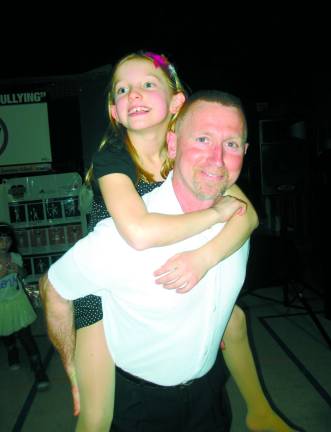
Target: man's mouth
x,y
217,176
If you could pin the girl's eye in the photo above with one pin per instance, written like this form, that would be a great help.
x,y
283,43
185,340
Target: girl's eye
x,y
149,84
121,90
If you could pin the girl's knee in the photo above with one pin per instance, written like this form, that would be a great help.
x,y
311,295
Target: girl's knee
x,y
93,422
236,328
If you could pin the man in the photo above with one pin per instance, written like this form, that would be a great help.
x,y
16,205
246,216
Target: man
x,y
164,344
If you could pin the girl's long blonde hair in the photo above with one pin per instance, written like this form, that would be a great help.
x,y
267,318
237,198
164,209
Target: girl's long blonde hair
x,y
116,134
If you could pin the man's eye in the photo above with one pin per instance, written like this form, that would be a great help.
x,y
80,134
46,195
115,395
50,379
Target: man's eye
x,y
232,144
202,139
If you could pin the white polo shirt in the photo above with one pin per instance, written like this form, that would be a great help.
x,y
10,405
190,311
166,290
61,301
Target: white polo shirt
x,y
153,333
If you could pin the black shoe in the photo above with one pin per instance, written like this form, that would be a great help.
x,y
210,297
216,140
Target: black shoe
x,y
13,358
42,381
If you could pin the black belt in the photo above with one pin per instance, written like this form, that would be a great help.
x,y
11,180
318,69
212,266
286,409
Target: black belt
x,y
145,383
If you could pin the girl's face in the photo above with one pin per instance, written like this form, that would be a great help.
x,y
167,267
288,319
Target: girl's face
x,y
5,243
142,96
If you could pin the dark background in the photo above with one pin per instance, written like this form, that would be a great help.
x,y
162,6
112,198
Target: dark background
x,y
274,56
260,52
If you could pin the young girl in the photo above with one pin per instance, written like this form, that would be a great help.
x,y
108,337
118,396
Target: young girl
x,y
145,94
16,312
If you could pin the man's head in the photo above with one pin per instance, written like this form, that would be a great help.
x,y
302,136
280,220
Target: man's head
x,y
208,145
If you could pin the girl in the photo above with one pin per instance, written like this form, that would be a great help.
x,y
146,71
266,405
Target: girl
x,y
16,312
145,94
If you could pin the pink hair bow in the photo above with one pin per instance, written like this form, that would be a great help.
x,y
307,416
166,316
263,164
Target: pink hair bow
x,y
158,60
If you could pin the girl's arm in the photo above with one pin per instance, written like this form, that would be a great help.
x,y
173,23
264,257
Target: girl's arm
x,y
183,271
236,231
143,230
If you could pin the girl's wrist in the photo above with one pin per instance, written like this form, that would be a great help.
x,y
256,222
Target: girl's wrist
x,y
215,215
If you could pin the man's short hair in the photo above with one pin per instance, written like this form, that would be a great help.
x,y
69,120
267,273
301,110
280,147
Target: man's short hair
x,y
217,96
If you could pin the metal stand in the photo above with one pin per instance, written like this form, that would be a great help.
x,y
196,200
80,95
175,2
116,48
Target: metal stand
x,y
293,287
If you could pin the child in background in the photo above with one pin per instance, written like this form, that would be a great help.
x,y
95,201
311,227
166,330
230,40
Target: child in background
x,y
16,312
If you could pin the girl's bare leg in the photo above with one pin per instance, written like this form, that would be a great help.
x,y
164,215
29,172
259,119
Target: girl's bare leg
x,y
240,362
96,379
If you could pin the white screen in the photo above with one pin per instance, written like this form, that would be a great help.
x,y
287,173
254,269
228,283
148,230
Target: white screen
x,y
24,134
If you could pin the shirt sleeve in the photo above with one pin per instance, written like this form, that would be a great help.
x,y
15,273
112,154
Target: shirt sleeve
x,y
86,267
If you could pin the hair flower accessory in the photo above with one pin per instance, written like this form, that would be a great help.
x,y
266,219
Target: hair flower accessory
x,y
159,60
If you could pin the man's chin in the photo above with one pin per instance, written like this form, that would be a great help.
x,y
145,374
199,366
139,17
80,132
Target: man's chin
x,y
212,193
210,196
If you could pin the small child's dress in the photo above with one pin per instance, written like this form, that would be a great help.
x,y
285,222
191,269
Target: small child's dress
x,y
16,311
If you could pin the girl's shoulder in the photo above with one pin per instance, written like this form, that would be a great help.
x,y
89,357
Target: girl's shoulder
x,y
108,153
16,258
111,159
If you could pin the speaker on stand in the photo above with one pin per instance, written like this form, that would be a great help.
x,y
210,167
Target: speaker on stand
x,y
284,167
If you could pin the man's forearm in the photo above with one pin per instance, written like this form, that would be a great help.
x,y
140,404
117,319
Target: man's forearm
x,y
59,320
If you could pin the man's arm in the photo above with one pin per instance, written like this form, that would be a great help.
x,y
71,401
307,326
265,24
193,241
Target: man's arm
x,y
61,331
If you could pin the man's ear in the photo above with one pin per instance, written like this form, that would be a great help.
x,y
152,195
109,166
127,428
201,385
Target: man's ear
x,y
177,102
246,145
112,111
172,144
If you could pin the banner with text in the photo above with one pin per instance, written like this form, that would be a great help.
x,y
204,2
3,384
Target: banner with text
x,y
24,129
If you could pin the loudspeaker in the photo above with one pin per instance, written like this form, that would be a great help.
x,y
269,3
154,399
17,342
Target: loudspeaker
x,y
283,164
283,154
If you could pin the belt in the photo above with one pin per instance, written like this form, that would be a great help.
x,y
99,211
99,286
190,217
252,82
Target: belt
x,y
145,383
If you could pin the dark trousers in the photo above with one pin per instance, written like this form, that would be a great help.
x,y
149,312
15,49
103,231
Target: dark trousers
x,y
26,339
201,406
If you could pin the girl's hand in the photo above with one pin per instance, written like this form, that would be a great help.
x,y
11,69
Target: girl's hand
x,y
12,268
226,206
3,269
182,271
7,268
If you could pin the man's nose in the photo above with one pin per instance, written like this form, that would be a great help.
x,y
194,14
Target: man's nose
x,y
217,155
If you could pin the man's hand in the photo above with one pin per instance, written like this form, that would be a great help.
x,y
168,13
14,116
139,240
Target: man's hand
x,y
71,372
222,345
182,271
227,206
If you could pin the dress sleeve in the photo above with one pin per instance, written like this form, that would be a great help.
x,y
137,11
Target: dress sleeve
x,y
113,160
17,259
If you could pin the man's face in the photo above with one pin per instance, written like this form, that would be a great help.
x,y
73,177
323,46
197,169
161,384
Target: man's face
x,y
208,149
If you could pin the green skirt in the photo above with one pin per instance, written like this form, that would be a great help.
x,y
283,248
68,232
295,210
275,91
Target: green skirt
x,y
15,314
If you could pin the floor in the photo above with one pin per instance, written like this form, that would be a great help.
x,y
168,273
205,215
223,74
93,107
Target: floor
x,y
292,353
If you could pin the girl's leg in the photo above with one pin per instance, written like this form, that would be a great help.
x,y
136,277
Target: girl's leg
x,y
96,379
12,351
27,340
240,362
